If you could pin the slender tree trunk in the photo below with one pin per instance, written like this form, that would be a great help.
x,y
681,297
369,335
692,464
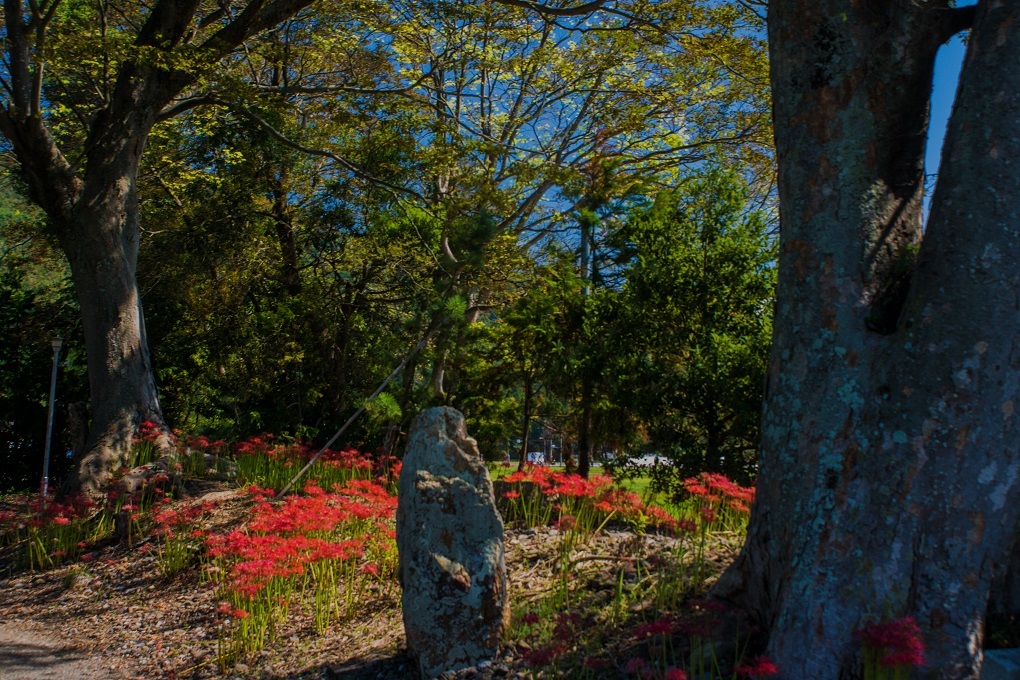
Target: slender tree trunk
x,y
290,273
526,434
889,442
406,393
584,429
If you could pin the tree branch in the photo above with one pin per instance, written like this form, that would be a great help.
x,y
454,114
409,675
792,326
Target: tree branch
x,y
167,23
339,160
549,10
958,19
255,18
185,105
17,50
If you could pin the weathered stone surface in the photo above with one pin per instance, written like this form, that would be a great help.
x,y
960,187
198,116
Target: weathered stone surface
x,y
450,539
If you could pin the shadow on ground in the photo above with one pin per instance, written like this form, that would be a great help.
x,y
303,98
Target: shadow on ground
x,y
395,667
22,658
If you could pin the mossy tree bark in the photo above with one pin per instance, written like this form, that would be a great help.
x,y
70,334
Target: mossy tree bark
x,y
890,447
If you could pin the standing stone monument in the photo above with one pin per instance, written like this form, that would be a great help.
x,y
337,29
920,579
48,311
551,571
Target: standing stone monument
x,y
450,540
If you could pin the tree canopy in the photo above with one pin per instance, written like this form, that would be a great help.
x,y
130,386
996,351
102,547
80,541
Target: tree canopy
x,y
314,187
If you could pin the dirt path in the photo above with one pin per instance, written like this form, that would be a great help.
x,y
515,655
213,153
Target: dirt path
x,y
27,653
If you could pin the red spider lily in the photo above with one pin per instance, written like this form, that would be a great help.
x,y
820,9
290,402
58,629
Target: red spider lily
x,y
312,489
739,506
538,475
199,442
347,458
148,431
530,618
662,626
544,655
566,523
260,494
675,674
662,519
517,477
623,503
512,495
636,665
714,487
899,642
566,624
168,518
758,667
253,446
573,485
283,540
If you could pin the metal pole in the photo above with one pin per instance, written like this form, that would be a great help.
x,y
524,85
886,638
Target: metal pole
x,y
57,342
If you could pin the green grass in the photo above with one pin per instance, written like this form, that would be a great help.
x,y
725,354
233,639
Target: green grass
x,y
641,486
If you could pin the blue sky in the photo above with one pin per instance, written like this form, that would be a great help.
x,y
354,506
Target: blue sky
x,y
947,74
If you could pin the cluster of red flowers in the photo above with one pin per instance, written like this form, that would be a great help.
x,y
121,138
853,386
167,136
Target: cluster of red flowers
x,y
715,488
54,531
170,520
346,458
387,467
719,498
253,446
282,540
663,626
202,443
599,490
149,431
40,512
566,629
898,642
262,445
758,667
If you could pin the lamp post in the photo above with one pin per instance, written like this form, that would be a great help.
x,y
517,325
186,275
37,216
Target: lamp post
x,y
56,343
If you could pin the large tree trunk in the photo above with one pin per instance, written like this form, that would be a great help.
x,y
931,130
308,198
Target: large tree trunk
x,y
102,248
889,443
94,206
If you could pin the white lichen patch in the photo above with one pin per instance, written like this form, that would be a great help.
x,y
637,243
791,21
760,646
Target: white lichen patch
x,y
988,473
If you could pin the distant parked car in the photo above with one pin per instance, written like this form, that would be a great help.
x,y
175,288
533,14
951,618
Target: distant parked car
x,y
649,460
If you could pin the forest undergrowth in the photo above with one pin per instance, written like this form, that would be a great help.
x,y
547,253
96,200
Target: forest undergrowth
x,y
603,583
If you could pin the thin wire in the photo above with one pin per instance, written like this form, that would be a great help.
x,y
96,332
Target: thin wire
x,y
391,376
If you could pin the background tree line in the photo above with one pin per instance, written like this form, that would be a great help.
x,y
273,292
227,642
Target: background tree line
x,y
321,192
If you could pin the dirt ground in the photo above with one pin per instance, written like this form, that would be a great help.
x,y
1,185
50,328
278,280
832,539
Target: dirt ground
x,y
118,617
